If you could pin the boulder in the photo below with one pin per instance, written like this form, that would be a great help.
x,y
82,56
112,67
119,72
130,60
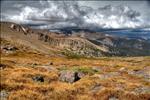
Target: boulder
x,y
70,76
12,26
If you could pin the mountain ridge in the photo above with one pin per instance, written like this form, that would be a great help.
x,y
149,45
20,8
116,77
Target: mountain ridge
x,y
88,44
44,40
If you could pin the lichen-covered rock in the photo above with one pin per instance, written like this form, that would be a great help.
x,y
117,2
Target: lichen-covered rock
x,y
70,76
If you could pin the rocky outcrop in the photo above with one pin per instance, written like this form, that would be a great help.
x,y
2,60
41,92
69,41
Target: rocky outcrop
x,y
19,28
75,45
8,49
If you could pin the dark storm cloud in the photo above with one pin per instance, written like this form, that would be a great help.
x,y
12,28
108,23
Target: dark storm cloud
x,y
148,2
52,14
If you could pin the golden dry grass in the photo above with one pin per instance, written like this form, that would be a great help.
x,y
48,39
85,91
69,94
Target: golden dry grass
x,y
16,77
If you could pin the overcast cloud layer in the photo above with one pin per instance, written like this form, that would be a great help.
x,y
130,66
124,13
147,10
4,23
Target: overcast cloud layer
x,y
49,14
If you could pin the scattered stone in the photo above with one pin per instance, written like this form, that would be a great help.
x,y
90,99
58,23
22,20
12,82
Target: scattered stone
x,y
123,69
2,66
113,98
38,78
97,68
49,68
120,86
50,63
141,90
34,64
10,48
3,95
70,76
141,73
96,88
109,75
81,74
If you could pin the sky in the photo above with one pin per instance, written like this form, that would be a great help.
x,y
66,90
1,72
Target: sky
x,y
84,14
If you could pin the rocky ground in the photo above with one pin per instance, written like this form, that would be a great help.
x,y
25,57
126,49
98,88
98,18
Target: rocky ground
x,y
27,74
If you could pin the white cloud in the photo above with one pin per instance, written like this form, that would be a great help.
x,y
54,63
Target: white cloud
x,y
65,14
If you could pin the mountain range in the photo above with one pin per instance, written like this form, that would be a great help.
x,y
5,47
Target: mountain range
x,y
78,42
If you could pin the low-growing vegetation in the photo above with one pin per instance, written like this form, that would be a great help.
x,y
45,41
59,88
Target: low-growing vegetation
x,y
35,76
86,70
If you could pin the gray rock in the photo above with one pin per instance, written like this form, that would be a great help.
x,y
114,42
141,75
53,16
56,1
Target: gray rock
x,y
123,69
113,98
70,76
141,90
49,68
2,66
120,86
96,68
109,75
96,88
81,75
50,63
3,95
38,78
34,64
10,48
141,73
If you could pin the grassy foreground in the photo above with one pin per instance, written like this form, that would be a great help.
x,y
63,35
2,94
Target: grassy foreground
x,y
106,77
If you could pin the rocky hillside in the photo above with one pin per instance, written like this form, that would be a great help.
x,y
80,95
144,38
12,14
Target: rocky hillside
x,y
45,41
81,43
118,46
